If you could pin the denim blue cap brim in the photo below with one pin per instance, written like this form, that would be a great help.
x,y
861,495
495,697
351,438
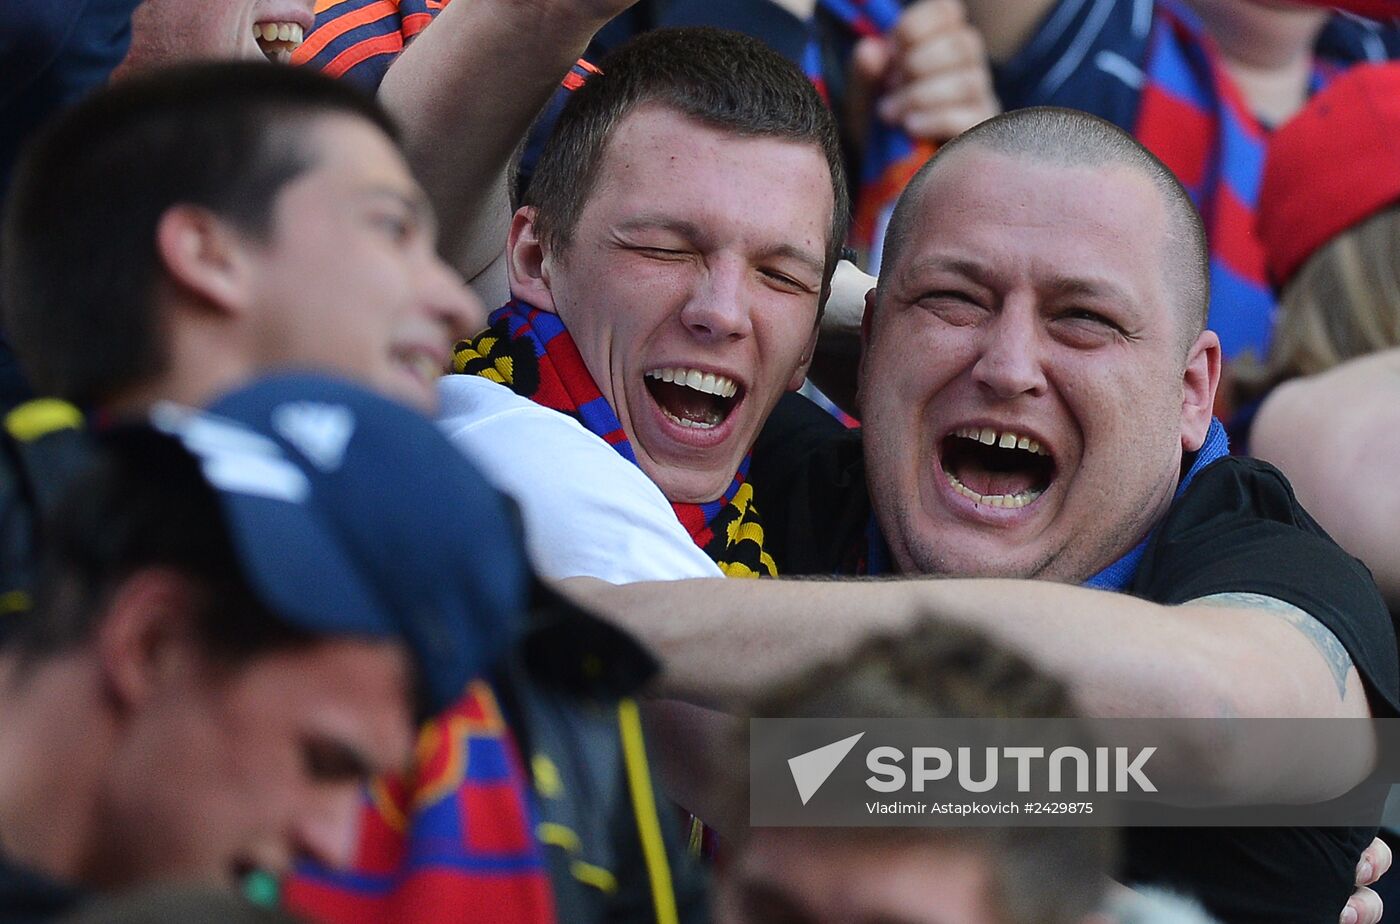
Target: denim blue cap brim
x,y
353,515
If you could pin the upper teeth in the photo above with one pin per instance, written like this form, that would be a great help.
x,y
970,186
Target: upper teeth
x,y
427,367
1003,439
707,382
278,32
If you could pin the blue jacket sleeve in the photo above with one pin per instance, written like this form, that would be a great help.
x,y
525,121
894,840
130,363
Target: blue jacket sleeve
x,y
764,20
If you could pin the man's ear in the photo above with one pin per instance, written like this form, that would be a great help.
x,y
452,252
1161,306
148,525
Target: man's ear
x,y
1198,384
204,256
528,262
866,320
146,636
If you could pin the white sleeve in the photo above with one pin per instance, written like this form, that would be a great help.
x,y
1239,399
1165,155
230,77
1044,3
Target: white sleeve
x,y
587,510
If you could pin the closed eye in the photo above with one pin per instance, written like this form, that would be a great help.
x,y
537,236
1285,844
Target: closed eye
x,y
662,253
957,295
1088,316
1084,314
398,228
1084,327
953,306
785,281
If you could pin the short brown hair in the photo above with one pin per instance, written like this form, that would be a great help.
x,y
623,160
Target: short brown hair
x,y
722,79
78,259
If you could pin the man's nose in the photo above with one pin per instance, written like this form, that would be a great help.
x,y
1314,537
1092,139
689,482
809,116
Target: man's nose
x,y
718,308
328,828
1010,363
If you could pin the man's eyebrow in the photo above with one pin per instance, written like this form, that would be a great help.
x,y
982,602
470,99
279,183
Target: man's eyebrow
x,y
1087,287
1060,285
792,252
969,269
685,229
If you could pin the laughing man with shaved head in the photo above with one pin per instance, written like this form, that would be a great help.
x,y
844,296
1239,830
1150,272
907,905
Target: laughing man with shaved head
x,y
1036,391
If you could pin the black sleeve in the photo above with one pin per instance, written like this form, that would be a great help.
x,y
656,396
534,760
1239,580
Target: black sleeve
x,y
1239,529
808,480
52,52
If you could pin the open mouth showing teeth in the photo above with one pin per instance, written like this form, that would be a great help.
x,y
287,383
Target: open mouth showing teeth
x,y
996,468
691,398
278,39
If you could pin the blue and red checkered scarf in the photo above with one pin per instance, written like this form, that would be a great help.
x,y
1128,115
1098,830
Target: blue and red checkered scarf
x,y
1193,117
531,352
891,157
453,842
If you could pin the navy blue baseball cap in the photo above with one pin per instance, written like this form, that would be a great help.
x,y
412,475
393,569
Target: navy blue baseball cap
x,y
353,515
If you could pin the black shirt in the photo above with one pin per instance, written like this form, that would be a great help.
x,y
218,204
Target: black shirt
x,y
27,897
1237,528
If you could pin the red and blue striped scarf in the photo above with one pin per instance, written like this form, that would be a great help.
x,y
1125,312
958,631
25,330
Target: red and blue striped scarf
x,y
454,842
1193,117
531,352
359,39
360,35
891,156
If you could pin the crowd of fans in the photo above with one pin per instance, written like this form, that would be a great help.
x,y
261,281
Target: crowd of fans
x,y
427,442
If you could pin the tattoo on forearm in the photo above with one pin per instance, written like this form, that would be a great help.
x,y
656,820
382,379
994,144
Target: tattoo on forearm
x,y
1321,637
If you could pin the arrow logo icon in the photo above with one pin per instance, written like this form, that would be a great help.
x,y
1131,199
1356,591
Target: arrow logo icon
x,y
810,770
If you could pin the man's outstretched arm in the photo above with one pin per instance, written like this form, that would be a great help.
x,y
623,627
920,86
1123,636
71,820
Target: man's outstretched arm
x,y
465,92
1220,657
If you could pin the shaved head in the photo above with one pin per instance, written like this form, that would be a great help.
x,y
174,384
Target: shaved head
x,y
1070,138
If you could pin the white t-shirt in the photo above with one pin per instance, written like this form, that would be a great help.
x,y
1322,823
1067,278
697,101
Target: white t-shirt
x,y
587,510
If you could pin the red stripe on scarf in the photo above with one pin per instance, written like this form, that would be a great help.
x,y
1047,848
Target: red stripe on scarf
x,y
875,197
1235,238
317,901
389,881
382,45
447,898
343,22
414,23
1179,133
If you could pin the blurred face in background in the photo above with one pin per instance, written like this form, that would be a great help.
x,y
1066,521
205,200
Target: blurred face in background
x,y
164,32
